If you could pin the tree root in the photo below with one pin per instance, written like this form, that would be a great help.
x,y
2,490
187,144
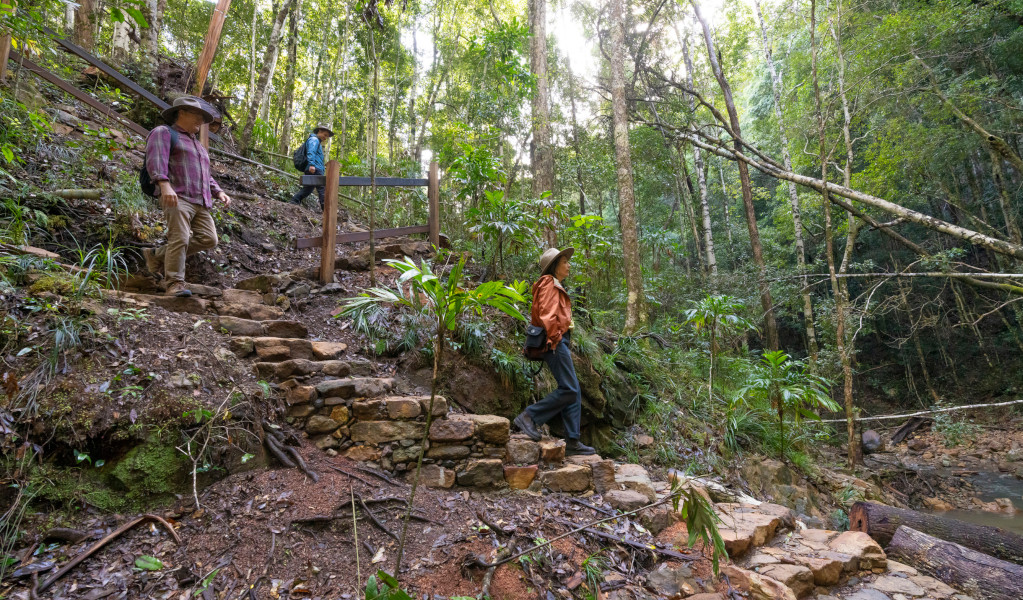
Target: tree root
x,y
103,542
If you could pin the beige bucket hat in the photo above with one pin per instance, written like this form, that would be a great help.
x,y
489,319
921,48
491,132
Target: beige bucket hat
x,y
188,102
550,257
320,126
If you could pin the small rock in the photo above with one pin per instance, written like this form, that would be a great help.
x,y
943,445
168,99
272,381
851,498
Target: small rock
x,y
635,477
268,246
492,429
482,473
325,442
798,578
378,432
318,424
437,477
403,408
522,451
520,478
860,546
552,451
937,504
603,476
917,444
331,288
365,454
644,441
447,452
570,478
625,500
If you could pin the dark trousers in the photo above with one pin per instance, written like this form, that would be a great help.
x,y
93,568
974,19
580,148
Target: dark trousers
x,y
566,400
301,194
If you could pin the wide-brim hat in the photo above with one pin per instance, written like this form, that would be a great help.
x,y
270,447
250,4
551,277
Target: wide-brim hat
x,y
550,257
188,102
323,127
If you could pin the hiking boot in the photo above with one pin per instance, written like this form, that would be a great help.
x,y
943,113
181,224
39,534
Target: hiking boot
x,y
577,448
154,266
526,425
179,289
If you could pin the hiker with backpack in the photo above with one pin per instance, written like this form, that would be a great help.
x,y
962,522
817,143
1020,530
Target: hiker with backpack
x,y
551,315
309,160
177,170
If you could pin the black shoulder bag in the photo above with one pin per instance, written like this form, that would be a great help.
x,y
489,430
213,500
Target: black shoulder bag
x,y
536,343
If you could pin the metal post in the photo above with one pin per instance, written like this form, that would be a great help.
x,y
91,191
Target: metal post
x,y
433,195
209,49
329,223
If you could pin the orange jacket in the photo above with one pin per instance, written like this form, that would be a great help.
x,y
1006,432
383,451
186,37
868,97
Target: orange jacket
x,y
552,309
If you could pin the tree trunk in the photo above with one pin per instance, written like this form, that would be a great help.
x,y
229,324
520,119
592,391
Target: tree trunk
x,y
289,86
541,153
252,55
151,36
880,522
710,259
635,313
575,143
269,60
120,43
797,220
412,90
770,325
1003,196
853,446
979,575
84,27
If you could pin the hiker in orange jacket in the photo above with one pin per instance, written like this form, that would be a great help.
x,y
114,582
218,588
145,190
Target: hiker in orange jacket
x,y
552,310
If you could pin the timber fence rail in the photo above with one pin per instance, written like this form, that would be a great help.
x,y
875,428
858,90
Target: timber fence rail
x,y
330,238
924,413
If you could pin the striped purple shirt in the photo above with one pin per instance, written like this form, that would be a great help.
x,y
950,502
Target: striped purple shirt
x,y
186,166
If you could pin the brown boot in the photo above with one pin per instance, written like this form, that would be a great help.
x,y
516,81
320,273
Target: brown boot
x,y
179,289
154,266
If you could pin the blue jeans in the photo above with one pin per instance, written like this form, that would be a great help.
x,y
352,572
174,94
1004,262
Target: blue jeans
x,y
301,194
567,399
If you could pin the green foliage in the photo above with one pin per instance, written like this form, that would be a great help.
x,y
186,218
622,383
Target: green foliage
x,y
382,586
787,385
954,429
148,563
700,519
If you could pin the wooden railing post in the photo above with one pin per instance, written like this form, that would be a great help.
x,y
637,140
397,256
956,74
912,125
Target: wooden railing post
x,y
433,196
209,48
329,223
5,43
204,135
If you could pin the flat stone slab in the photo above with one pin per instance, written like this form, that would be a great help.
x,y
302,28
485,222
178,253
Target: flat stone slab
x,y
491,429
868,594
635,477
356,387
892,584
625,500
378,432
520,478
451,430
826,570
798,578
862,547
255,312
570,478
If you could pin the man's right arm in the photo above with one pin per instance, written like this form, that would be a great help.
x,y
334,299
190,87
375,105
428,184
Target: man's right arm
x,y
158,148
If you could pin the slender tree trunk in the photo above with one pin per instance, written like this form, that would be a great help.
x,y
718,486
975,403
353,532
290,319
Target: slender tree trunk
x,y
710,259
1003,196
635,313
540,151
120,43
289,86
770,325
797,220
269,61
725,211
84,27
151,35
374,105
687,198
412,90
829,236
252,55
576,146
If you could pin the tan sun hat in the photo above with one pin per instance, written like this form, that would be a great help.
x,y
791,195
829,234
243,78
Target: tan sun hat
x,y
188,102
550,257
323,127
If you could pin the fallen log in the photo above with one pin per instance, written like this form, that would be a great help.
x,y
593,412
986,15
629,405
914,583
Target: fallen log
x,y
881,522
909,427
79,194
979,575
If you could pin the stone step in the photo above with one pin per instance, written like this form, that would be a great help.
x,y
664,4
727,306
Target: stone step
x,y
249,328
280,349
293,368
237,296
254,312
190,305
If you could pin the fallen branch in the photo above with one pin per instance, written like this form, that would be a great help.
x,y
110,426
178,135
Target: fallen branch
x,y
103,542
93,194
928,412
634,544
480,563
